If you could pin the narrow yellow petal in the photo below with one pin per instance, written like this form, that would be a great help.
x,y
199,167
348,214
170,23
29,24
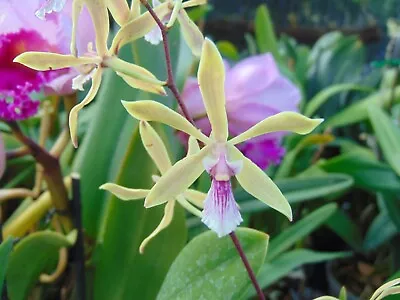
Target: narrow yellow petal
x,y
119,10
165,221
174,14
196,197
138,27
147,110
131,70
189,207
177,179
44,61
284,121
191,33
73,115
99,14
135,9
124,193
192,3
142,85
193,146
77,6
259,185
211,76
155,147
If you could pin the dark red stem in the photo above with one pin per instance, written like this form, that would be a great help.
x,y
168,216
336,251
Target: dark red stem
x,y
246,263
170,81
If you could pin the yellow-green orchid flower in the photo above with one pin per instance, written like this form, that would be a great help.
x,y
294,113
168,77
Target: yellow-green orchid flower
x,y
158,152
168,12
220,158
91,64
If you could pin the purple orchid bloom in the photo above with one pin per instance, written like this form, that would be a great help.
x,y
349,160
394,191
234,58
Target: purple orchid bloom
x,y
20,31
254,90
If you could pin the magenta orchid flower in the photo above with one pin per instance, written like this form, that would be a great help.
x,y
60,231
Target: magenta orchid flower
x,y
20,31
2,157
219,157
254,90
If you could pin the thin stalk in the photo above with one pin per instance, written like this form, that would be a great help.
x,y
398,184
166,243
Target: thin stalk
x,y
170,80
246,263
173,88
52,174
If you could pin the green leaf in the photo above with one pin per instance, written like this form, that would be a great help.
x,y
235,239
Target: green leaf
x,y
364,171
5,249
299,230
343,294
388,135
32,256
210,267
228,50
381,230
274,270
324,95
298,190
359,111
121,271
391,205
344,227
265,32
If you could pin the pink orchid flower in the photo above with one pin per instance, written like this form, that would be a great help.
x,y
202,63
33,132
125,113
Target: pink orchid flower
x,y
20,31
254,90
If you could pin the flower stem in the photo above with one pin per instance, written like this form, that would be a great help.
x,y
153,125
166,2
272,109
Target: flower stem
x,y
173,88
52,174
246,263
170,81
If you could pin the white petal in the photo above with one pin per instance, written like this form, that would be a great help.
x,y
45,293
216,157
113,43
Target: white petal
x,y
221,213
81,79
48,7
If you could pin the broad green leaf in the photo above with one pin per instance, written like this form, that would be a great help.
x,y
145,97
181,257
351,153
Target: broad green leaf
x,y
324,95
359,111
344,227
364,171
265,32
298,190
210,267
281,266
388,135
228,50
391,205
121,271
5,249
32,256
381,230
299,230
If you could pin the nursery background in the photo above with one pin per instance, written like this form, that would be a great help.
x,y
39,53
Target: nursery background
x,y
81,214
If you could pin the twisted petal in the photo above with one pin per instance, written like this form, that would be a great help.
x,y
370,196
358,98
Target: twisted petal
x,y
44,61
211,76
165,221
192,3
147,110
135,9
177,179
119,10
191,33
155,147
73,115
175,12
284,121
142,85
196,197
259,185
124,193
99,14
138,27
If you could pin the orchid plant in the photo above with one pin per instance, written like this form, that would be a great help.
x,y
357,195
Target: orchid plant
x,y
231,119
